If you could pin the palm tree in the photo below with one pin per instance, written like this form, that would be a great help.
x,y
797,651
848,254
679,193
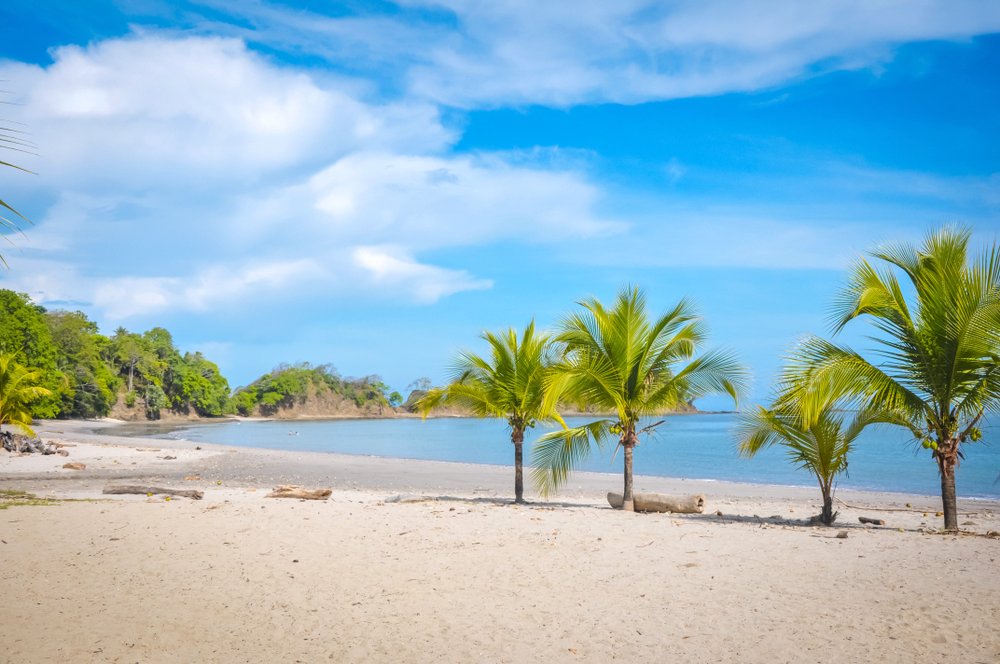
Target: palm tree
x,y
619,361
938,351
18,388
508,384
813,427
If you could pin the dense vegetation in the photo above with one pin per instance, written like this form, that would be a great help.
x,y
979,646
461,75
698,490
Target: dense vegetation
x,y
87,374
291,385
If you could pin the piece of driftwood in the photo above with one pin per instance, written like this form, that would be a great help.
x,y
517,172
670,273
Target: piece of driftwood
x,y
874,522
143,490
657,502
287,491
75,465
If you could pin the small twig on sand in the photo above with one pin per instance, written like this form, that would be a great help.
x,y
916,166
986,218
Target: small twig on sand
x,y
891,509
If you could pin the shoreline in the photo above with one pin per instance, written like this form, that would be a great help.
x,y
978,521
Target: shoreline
x,y
105,427
253,467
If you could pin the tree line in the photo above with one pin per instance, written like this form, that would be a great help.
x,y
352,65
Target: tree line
x,y
85,374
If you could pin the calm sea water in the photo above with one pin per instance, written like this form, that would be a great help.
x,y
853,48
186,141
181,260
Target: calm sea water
x,y
690,446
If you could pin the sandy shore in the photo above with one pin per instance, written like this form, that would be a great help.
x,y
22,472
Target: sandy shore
x,y
466,576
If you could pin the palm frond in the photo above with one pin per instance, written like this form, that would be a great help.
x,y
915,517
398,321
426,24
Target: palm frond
x,y
557,453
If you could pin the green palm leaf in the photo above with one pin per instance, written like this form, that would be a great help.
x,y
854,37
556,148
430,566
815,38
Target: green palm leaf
x,y
18,388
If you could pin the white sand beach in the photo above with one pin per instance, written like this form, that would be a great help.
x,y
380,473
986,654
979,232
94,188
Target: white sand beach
x,y
456,573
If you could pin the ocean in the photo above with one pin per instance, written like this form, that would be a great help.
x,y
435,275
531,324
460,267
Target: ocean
x,y
687,446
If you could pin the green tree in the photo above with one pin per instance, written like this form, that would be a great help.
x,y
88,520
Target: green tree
x,y
377,393
92,385
938,352
507,384
811,423
127,351
619,361
18,388
195,383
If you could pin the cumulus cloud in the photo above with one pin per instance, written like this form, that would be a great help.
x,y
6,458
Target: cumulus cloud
x,y
195,112
429,202
169,162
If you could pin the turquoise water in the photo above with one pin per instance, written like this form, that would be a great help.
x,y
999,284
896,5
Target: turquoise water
x,y
690,446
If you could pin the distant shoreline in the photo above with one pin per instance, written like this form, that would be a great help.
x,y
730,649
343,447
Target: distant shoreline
x,y
440,473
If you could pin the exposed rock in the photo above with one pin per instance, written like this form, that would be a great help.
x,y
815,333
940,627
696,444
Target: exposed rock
x,y
20,444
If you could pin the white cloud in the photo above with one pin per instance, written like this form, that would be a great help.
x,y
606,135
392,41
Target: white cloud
x,y
196,112
168,163
392,267
431,202
519,52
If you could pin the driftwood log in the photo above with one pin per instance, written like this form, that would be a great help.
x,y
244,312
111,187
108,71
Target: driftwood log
x,y
657,502
874,522
288,491
144,490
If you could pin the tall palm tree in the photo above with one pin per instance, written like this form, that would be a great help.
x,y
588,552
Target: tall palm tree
x,y
18,388
938,351
620,361
810,422
507,384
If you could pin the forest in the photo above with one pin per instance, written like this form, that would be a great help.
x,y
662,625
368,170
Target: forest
x,y
144,375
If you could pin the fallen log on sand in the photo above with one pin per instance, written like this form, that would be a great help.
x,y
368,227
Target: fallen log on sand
x,y
286,491
657,502
145,490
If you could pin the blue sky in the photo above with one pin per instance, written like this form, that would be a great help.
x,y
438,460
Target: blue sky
x,y
371,184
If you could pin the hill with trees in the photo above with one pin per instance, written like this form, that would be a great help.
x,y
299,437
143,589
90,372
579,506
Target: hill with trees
x,y
302,390
138,376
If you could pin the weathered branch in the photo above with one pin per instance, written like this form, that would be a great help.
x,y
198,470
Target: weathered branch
x,y
146,490
286,491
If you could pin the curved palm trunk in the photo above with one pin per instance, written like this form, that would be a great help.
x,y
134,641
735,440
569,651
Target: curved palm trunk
x,y
517,437
947,462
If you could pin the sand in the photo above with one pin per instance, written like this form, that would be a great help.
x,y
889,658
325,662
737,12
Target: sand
x,y
466,576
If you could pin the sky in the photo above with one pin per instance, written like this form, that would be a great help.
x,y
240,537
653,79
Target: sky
x,y
373,184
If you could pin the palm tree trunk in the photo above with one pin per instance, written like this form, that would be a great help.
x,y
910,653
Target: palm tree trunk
x,y
947,460
627,502
827,515
517,437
